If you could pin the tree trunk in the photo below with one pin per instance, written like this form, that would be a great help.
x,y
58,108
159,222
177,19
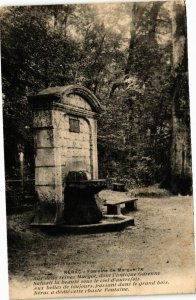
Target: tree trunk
x,y
181,172
132,40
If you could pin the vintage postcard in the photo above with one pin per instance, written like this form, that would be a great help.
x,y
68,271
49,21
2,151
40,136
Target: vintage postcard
x,y
97,144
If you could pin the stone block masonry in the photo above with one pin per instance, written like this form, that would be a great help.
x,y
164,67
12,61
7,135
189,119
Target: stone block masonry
x,y
65,135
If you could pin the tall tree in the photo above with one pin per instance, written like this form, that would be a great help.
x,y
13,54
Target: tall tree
x,y
181,172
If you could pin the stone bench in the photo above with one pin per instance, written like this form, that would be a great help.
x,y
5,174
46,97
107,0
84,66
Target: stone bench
x,y
114,208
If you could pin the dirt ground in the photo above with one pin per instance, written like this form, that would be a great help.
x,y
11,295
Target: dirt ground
x,y
162,240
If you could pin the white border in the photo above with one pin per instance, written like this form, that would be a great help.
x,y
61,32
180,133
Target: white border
x,y
191,21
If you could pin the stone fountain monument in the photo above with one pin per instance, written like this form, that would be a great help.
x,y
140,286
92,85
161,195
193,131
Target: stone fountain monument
x,y
65,139
66,167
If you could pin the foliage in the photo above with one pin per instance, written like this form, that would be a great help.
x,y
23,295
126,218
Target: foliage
x,y
126,60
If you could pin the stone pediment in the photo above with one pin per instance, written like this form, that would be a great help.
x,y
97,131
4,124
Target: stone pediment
x,y
73,96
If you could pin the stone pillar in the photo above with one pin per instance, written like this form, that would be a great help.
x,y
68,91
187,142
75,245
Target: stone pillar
x,y
48,177
94,162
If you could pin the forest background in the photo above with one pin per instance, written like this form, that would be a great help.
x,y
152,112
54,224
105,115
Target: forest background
x,y
133,56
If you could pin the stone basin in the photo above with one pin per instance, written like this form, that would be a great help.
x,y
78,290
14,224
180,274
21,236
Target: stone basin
x,y
92,186
108,223
80,206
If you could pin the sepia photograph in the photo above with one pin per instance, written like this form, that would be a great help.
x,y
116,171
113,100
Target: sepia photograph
x,y
97,149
